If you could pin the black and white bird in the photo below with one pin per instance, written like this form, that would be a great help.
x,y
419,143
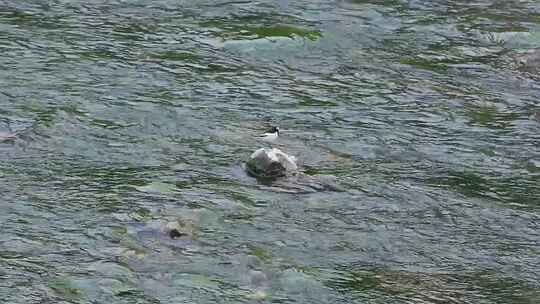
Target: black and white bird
x,y
272,135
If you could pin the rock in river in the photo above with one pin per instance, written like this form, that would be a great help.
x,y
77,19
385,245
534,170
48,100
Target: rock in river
x,y
7,135
270,163
529,61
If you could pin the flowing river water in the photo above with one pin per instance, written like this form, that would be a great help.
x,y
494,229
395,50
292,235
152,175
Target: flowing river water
x,y
122,119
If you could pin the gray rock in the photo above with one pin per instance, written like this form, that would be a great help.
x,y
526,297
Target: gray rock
x,y
271,163
180,228
529,61
7,135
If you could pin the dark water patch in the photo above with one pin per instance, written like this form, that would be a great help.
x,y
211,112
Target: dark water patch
x,y
431,288
284,31
44,114
65,288
376,2
259,253
468,183
439,67
175,56
489,116
28,19
99,54
109,124
519,191
272,26
134,31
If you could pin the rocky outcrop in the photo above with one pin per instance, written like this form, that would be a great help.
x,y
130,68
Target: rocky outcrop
x,y
271,163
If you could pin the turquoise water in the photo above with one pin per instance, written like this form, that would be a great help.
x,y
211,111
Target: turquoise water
x,y
118,118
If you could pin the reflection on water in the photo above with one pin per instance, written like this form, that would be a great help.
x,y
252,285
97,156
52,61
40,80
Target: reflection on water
x,y
123,127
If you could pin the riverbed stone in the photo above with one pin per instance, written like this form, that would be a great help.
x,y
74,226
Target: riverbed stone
x,y
529,61
271,163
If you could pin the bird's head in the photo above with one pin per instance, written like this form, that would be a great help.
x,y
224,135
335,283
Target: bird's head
x,y
274,129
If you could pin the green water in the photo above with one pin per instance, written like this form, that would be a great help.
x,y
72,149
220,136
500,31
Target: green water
x,y
118,118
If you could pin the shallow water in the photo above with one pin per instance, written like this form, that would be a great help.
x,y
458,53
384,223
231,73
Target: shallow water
x,y
118,117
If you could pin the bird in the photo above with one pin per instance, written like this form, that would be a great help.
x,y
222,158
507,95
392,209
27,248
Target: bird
x,y
272,135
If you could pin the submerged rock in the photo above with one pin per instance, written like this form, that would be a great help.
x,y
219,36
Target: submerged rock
x,y
536,116
176,233
180,228
271,163
7,135
529,61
